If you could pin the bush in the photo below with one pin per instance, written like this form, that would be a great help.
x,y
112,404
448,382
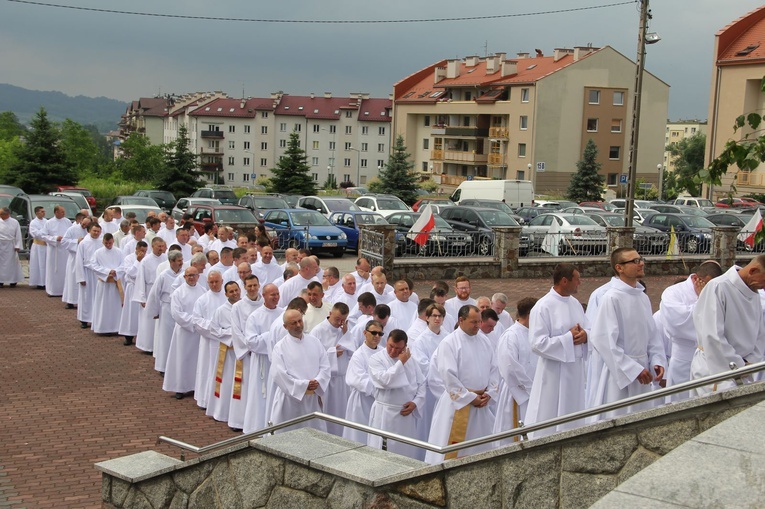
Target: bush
x,y
106,189
429,186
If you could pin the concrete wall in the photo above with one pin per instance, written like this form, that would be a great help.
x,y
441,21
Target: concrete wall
x,y
310,469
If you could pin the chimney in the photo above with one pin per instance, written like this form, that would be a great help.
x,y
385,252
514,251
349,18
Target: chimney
x,y
439,74
241,104
539,53
509,67
313,95
471,61
452,69
522,55
492,64
583,51
561,52
327,95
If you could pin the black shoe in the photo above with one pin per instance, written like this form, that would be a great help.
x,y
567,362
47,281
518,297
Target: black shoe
x,y
162,374
179,395
148,353
83,325
128,341
41,287
70,306
2,285
235,430
13,285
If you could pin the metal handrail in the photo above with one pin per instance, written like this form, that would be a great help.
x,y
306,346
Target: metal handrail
x,y
736,374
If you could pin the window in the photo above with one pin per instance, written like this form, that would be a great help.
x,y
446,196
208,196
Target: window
x,y
314,161
247,145
347,162
232,128
594,97
592,125
380,163
283,127
231,161
332,129
246,161
381,131
524,95
298,127
346,177
246,177
364,147
247,128
263,145
693,130
315,176
611,179
231,145
618,98
616,125
614,152
425,166
282,143
230,177
468,96
264,129
348,129
524,122
425,143
316,145
348,114
263,161
332,145
381,147
365,130
520,175
316,128
263,114
427,120
521,150
363,163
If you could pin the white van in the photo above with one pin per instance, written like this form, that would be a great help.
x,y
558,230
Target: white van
x,y
516,193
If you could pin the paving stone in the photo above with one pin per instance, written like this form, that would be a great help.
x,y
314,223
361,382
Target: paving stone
x,y
745,426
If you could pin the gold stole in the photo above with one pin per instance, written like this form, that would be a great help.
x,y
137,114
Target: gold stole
x,y
515,419
237,373
459,426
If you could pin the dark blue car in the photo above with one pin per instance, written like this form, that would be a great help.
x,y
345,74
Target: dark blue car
x,y
349,223
301,228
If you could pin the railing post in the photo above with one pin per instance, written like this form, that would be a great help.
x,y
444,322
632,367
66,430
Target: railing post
x,y
619,236
724,240
506,248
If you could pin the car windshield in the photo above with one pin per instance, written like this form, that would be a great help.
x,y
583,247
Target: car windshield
x,y
694,211
162,195
310,218
5,200
614,220
337,205
579,220
137,200
83,192
234,216
269,202
497,218
389,204
705,203
140,214
698,222
70,207
225,196
370,219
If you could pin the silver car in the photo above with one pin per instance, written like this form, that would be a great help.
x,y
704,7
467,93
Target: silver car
x,y
579,233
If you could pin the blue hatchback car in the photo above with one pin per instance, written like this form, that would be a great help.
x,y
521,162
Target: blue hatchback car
x,y
300,228
349,222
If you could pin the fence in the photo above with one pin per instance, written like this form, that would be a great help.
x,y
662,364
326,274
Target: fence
x,y
439,244
371,246
745,244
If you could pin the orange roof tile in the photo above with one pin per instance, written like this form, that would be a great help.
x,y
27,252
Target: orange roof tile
x,y
743,40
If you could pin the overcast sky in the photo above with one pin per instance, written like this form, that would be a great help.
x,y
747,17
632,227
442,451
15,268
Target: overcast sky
x,y
126,57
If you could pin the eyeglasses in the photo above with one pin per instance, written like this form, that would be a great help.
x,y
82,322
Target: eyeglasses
x,y
636,261
375,332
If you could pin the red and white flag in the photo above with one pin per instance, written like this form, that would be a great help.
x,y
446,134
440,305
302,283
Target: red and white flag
x,y
420,230
750,230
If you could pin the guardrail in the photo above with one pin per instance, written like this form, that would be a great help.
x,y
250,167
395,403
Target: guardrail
x,y
744,247
736,374
440,244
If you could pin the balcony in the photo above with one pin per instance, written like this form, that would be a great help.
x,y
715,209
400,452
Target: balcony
x,y
469,132
437,155
207,151
465,157
212,166
211,135
496,160
500,133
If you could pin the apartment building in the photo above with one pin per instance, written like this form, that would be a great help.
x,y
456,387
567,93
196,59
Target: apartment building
x,y
738,70
528,117
676,132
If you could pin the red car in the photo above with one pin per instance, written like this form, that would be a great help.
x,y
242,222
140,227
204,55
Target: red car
x,y
431,201
81,190
598,204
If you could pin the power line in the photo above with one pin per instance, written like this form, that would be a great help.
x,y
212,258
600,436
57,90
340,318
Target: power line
x,y
323,22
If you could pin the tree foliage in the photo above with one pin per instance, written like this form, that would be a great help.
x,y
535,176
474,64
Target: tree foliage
x,y
41,161
291,174
80,150
141,161
397,177
688,159
587,183
180,175
10,127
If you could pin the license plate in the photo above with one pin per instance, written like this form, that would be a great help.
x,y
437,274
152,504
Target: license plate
x,y
458,244
329,244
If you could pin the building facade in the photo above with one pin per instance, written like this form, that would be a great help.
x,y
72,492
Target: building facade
x,y
678,131
528,118
738,70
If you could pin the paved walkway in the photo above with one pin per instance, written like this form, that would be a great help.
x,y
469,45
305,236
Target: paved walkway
x,y
70,398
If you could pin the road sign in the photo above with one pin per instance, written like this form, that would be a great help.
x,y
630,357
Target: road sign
x,y
540,167
470,177
254,176
623,179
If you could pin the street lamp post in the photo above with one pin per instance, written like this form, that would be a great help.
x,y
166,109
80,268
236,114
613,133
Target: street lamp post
x,y
252,181
660,168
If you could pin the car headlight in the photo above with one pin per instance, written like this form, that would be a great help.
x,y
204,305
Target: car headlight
x,y
343,236
707,236
312,237
438,238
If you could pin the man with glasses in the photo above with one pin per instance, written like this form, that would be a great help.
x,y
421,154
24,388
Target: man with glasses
x,y
357,378
625,339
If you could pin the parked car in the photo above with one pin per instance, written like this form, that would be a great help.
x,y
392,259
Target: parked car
x,y
223,195
580,210
529,213
327,205
241,219
738,221
291,199
443,240
580,233
639,215
441,202
479,221
5,199
184,204
141,211
677,209
598,204
307,228
133,200
79,199
622,203
22,209
259,203
349,223
165,199
494,204
383,204
546,204
83,191
694,233
690,201
645,240
737,203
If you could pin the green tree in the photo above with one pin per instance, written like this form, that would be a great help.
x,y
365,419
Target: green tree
x,y
42,162
180,176
688,159
587,182
397,177
8,151
80,150
291,174
141,161
10,127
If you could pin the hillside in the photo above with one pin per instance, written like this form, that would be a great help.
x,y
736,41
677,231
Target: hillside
x,y
102,112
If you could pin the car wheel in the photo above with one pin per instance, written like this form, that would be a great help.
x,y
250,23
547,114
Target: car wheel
x,y
692,245
484,247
